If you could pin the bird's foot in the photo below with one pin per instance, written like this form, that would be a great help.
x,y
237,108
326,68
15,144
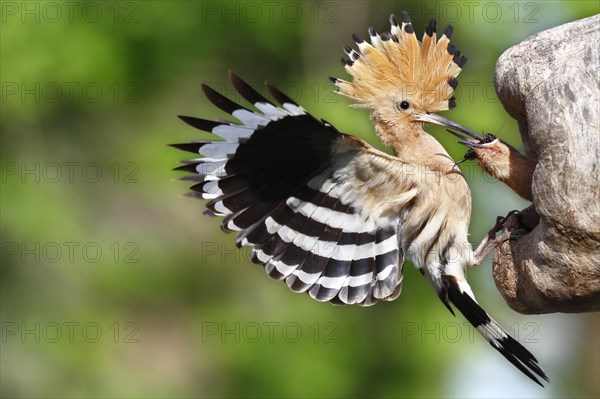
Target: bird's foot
x,y
491,241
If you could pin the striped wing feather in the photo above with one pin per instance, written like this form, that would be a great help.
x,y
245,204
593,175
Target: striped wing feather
x,y
286,183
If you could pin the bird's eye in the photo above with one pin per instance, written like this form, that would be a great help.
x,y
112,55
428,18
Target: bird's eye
x,y
404,104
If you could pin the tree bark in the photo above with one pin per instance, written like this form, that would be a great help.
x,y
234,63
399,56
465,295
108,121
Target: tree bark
x,y
550,83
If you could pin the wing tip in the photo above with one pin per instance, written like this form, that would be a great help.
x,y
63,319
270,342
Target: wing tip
x,y
280,96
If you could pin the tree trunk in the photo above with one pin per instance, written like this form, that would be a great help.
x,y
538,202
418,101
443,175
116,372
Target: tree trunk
x,y
550,84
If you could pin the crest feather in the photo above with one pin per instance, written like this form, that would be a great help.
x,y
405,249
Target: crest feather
x,y
396,62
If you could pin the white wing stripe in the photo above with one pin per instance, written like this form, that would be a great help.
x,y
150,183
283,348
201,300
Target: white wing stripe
x,y
271,111
352,223
357,281
231,226
211,189
386,245
232,133
307,278
294,109
263,257
338,252
250,119
210,166
382,275
331,282
319,184
282,268
221,209
218,150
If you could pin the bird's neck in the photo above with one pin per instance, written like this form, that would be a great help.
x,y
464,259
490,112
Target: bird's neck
x,y
508,165
412,144
520,174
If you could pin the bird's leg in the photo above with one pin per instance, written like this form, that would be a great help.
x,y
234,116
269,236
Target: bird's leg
x,y
485,246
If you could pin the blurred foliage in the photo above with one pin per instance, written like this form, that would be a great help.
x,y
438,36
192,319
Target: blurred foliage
x,y
96,240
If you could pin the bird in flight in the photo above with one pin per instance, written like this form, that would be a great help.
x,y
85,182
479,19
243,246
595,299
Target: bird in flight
x,y
331,215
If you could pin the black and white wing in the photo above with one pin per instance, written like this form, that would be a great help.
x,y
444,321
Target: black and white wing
x,y
302,194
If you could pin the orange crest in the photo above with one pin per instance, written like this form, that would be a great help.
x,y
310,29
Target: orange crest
x,y
397,65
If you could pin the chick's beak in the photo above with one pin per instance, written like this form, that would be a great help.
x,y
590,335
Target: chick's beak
x,y
489,140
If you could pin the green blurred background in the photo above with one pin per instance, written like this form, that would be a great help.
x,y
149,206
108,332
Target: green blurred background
x,y
113,285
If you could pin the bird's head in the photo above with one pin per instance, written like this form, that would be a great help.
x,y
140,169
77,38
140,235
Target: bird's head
x,y
403,81
488,149
490,153
500,160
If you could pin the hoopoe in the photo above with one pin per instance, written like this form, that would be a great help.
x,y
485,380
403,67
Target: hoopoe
x,y
331,215
501,161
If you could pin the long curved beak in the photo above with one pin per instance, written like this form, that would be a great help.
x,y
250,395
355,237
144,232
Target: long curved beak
x,y
440,120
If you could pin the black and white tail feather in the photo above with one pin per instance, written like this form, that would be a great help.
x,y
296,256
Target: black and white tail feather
x,y
308,199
